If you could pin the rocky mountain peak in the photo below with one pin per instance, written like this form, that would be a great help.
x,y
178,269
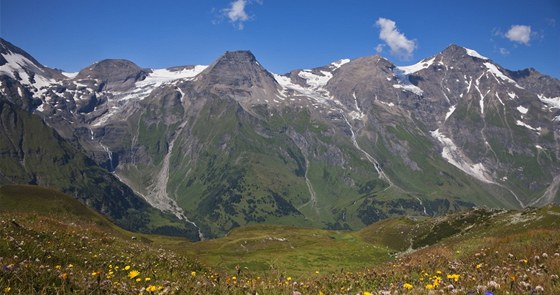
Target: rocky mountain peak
x,y
236,73
115,74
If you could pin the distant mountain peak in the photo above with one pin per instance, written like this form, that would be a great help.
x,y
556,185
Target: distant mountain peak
x,y
116,74
237,70
456,51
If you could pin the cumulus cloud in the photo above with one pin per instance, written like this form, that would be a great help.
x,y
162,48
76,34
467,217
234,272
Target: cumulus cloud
x,y
236,13
519,33
397,41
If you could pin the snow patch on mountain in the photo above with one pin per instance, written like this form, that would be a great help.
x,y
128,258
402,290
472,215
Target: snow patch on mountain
x,y
16,63
162,76
473,53
340,63
552,102
522,110
404,82
450,111
315,80
424,64
523,124
492,69
357,112
315,91
453,154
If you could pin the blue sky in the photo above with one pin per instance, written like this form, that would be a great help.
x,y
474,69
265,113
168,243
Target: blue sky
x,y
283,34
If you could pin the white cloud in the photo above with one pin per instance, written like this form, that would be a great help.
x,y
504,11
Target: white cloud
x,y
379,48
397,41
236,13
520,34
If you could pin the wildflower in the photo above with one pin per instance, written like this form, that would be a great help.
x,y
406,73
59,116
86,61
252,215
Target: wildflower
x,y
138,280
7,290
289,278
438,272
407,286
539,289
151,288
127,267
133,274
147,279
454,277
365,293
193,273
70,265
94,274
478,265
57,266
429,287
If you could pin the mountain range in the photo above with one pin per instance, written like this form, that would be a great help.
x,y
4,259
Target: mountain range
x,y
339,146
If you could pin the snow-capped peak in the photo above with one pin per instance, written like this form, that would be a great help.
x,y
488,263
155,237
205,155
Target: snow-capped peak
x,y
17,63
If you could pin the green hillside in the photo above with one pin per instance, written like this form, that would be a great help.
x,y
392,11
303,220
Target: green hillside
x,y
52,244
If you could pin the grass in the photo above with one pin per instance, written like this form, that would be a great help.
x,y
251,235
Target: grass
x,y
50,244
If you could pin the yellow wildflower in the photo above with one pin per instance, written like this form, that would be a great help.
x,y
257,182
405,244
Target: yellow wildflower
x,y
94,273
127,267
70,265
151,288
479,265
133,273
147,279
57,267
138,280
289,278
407,286
365,293
7,290
438,272
454,277
429,287
193,273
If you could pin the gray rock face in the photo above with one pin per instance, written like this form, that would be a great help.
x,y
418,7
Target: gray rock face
x,y
114,74
237,75
337,146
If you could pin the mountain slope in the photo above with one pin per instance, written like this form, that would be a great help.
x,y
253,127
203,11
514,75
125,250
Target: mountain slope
x,y
338,146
